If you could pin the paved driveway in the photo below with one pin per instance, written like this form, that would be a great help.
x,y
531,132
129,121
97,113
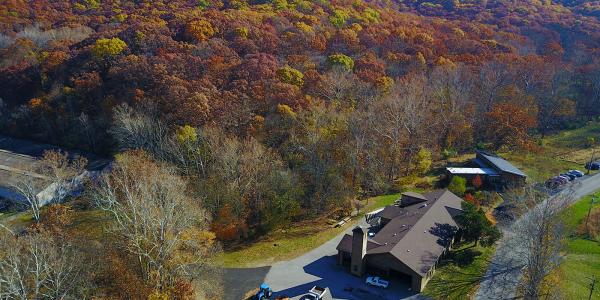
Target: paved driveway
x,y
239,281
504,286
295,277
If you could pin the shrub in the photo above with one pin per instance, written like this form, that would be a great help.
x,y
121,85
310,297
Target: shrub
x,y
590,141
477,181
458,185
448,153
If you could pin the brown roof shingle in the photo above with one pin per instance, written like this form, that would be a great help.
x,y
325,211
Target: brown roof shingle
x,y
418,234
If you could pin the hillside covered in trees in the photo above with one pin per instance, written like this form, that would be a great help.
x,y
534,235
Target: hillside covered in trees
x,y
280,110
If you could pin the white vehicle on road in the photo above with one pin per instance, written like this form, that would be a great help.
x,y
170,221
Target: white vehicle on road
x,y
376,281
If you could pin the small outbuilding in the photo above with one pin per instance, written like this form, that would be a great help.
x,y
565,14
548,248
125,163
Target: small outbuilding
x,y
494,171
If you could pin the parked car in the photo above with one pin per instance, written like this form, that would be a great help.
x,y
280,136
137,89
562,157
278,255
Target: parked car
x,y
593,165
570,176
576,173
563,179
378,282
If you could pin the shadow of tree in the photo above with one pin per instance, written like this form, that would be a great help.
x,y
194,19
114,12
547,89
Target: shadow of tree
x,y
465,257
444,232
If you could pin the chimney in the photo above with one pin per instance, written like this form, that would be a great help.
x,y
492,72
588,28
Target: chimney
x,y
359,250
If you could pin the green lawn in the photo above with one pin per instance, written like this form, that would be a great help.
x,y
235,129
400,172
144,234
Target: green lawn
x,y
582,259
457,276
282,245
296,240
380,201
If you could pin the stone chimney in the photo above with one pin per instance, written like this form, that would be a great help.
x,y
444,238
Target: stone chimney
x,y
359,250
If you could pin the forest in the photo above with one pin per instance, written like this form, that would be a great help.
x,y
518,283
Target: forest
x,y
280,110
274,111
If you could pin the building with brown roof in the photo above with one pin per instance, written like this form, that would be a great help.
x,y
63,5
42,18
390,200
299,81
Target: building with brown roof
x,y
412,237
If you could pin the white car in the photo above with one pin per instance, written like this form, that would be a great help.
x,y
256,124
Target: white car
x,y
378,282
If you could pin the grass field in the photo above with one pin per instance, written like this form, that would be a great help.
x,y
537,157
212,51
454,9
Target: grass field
x,y
457,276
582,257
558,153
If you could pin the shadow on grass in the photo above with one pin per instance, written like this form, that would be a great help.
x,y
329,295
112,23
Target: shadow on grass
x,y
457,275
461,258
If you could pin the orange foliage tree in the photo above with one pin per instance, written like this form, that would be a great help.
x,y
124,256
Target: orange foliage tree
x,y
509,124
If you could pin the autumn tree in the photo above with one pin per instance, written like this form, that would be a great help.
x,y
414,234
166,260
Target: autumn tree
x,y
458,185
108,47
49,179
538,238
35,266
159,224
477,181
510,125
200,30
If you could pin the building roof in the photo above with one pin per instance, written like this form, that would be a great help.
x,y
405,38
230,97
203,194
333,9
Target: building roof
x,y
415,195
418,234
472,171
498,163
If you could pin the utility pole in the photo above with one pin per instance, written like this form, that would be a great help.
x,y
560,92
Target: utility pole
x,y
591,161
592,287
592,201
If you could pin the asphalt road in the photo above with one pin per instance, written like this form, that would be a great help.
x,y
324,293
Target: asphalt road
x,y
500,287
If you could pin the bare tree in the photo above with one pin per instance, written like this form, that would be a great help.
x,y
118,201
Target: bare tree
x,y
404,121
159,223
65,174
36,266
134,130
538,238
48,179
27,185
